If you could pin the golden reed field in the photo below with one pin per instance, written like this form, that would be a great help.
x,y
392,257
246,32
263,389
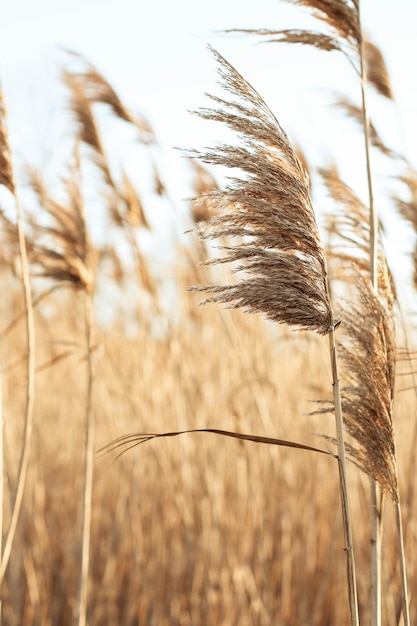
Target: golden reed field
x,y
294,503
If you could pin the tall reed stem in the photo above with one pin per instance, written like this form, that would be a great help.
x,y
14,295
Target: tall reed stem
x,y
376,507
89,467
30,394
343,480
377,497
403,572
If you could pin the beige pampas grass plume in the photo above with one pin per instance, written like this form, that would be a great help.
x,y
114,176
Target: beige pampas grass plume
x,y
369,353
87,130
279,250
267,215
61,248
368,348
97,90
343,31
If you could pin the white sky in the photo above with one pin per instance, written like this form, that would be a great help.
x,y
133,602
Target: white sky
x,y
154,54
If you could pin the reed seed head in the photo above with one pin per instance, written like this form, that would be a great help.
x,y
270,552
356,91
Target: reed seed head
x,y
267,212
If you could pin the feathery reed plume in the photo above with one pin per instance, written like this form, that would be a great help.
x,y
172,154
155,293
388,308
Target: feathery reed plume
x,y
376,70
341,16
89,87
304,37
8,180
62,250
343,19
88,132
98,90
368,349
369,352
283,250
349,250
128,212
269,213
368,398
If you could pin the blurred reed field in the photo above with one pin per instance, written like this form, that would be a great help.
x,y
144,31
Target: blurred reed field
x,y
102,337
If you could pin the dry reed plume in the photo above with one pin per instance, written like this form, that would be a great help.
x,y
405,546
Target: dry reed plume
x,y
344,32
269,215
369,349
281,248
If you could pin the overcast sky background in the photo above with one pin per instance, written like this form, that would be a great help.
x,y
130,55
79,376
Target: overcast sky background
x,y
155,55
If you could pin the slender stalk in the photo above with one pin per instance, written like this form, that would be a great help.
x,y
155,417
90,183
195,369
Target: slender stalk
x,y
30,395
343,480
376,497
376,506
373,214
403,572
89,467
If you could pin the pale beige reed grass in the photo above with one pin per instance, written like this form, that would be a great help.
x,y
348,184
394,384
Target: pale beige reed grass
x,y
275,244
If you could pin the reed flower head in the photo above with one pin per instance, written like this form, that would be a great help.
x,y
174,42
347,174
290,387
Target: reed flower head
x,y
368,350
367,338
62,248
267,212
